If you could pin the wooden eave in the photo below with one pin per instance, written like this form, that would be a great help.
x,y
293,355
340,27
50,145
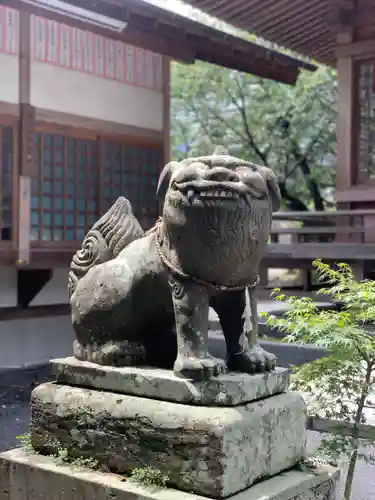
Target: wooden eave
x,y
175,36
305,27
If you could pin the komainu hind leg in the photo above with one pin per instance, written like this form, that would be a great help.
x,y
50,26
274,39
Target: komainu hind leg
x,y
113,353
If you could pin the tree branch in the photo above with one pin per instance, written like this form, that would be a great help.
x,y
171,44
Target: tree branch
x,y
311,184
222,120
242,109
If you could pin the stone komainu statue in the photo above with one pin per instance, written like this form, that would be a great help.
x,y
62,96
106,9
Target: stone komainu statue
x,y
144,298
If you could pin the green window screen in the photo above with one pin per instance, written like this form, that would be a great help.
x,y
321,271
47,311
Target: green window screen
x,y
64,201
132,171
6,182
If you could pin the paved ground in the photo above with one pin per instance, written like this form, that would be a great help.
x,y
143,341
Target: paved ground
x,y
16,385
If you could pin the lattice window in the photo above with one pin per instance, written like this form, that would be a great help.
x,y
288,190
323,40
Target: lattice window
x,y
6,182
366,106
64,202
132,171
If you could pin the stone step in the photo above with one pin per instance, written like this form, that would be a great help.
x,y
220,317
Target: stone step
x,y
25,476
227,390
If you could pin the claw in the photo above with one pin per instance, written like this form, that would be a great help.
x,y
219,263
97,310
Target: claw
x,y
199,369
254,360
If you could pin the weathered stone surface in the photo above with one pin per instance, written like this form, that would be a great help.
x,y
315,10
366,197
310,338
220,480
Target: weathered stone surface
x,y
206,450
33,477
226,390
144,298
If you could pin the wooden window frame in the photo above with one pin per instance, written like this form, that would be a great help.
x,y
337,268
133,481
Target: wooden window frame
x,y
149,145
359,180
100,137
68,133
12,122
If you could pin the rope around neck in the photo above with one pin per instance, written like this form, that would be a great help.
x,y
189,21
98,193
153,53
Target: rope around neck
x,y
188,277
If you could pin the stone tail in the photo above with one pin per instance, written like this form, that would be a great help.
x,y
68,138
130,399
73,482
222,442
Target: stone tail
x,y
116,229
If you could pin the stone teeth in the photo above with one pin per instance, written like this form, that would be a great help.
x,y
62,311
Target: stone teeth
x,y
217,194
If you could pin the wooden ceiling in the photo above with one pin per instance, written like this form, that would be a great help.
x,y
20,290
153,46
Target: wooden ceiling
x,y
310,28
182,39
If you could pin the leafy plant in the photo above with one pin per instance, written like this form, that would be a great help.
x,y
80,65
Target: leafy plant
x,y
149,477
338,385
25,441
62,455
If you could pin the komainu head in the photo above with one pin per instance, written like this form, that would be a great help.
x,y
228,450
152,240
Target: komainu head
x,y
219,181
221,203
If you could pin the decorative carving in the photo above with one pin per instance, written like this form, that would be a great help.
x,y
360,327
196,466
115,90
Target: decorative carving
x,y
150,293
105,240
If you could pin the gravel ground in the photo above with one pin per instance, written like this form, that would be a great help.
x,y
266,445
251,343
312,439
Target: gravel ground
x,y
16,386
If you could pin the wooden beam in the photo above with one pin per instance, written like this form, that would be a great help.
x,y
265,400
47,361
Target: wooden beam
x,y
357,49
340,427
355,18
129,35
250,65
344,252
68,121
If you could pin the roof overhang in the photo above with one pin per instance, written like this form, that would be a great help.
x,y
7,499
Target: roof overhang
x,y
173,35
305,27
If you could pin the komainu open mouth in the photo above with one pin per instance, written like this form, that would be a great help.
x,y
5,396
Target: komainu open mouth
x,y
194,192
222,194
195,195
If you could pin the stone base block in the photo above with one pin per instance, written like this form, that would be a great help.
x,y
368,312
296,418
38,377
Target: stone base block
x,y
206,450
227,390
25,476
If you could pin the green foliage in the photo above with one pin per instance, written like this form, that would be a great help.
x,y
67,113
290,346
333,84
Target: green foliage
x,y
212,105
62,455
312,464
149,477
25,441
337,385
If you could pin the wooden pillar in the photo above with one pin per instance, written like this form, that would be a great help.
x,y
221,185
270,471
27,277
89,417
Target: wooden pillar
x,y
166,109
346,119
346,129
25,141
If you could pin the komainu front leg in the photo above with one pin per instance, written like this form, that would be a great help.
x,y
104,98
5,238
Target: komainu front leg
x,y
190,302
244,354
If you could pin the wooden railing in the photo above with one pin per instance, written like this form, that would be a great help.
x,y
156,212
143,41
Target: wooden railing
x,y
312,226
346,234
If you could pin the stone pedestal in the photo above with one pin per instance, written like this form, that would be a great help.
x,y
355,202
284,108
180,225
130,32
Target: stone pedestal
x,y
213,439
25,476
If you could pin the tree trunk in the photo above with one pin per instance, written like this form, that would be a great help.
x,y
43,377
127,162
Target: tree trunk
x,y
355,441
312,185
294,203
